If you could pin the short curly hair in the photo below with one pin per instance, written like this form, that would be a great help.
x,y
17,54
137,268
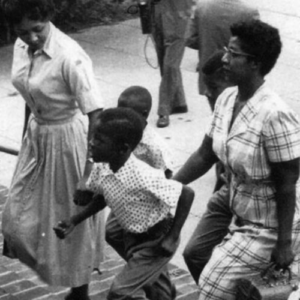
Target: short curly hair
x,y
122,125
260,40
36,10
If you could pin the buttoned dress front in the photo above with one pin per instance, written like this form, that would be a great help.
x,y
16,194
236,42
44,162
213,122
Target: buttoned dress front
x,y
58,85
266,130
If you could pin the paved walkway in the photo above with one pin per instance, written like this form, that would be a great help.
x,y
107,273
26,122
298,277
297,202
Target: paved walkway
x,y
118,52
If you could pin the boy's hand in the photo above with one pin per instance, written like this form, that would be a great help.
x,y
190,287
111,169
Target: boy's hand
x,y
63,228
169,245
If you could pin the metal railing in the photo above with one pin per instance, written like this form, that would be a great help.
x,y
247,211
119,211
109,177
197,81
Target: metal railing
x,y
8,150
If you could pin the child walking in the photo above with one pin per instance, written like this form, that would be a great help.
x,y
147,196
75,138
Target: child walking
x,y
141,198
152,149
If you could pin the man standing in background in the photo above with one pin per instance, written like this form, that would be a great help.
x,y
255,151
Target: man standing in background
x,y
209,28
170,24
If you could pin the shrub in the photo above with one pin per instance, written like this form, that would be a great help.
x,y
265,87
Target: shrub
x,y
72,15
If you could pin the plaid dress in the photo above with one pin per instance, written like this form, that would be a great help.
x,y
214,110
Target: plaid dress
x,y
265,130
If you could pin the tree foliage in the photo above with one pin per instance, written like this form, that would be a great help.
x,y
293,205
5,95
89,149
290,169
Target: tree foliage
x,y
73,15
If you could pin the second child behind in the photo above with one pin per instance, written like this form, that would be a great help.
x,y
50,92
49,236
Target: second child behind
x,y
141,198
152,149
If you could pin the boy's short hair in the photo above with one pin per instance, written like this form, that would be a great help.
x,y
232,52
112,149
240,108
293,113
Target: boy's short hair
x,y
138,98
214,63
137,92
122,125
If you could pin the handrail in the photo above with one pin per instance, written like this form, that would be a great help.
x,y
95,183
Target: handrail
x,y
11,151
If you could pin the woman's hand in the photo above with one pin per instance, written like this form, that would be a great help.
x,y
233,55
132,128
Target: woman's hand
x,y
282,256
64,228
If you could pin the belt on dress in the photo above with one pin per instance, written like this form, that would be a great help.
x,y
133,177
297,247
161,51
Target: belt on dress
x,y
241,222
55,122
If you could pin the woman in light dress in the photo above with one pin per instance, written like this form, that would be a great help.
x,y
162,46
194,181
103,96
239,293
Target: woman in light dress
x,y
55,77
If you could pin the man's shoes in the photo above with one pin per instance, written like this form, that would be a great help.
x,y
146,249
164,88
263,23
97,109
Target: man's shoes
x,y
163,121
179,110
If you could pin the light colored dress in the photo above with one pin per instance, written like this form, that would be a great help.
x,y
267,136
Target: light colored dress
x,y
58,85
266,130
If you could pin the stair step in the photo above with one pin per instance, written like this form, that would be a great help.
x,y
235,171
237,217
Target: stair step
x,y
18,282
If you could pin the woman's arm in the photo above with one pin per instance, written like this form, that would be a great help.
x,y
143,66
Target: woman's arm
x,y
89,164
92,121
185,202
27,114
198,163
285,175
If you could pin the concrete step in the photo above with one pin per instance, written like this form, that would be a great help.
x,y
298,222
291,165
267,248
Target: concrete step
x,y
18,282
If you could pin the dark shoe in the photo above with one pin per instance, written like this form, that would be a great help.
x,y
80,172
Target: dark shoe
x,y
78,293
163,121
71,296
179,110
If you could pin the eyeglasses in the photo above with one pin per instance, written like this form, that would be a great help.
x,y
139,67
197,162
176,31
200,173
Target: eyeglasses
x,y
233,53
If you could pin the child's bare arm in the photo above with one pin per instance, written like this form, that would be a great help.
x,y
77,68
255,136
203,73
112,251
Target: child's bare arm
x,y
64,228
83,197
183,208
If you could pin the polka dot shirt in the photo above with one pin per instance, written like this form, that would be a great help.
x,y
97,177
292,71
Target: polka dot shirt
x,y
139,195
153,150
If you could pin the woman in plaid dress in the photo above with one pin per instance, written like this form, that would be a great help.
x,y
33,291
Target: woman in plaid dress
x,y
257,137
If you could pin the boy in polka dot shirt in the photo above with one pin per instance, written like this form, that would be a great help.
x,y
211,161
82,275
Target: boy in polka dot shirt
x,y
152,149
141,198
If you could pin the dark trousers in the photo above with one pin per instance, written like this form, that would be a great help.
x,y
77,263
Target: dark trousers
x,y
210,231
145,276
168,34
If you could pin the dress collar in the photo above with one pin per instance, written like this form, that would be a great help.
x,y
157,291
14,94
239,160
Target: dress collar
x,y
48,47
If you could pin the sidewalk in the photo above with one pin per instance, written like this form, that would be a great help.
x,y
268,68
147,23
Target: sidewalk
x,y
118,54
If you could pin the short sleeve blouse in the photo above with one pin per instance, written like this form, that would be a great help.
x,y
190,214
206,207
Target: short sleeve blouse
x,y
56,81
